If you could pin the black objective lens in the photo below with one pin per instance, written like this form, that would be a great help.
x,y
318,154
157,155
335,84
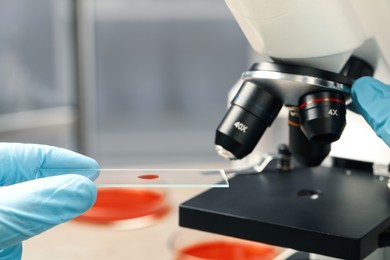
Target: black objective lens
x,y
251,111
322,116
307,153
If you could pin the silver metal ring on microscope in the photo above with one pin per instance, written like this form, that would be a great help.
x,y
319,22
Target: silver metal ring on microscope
x,y
309,80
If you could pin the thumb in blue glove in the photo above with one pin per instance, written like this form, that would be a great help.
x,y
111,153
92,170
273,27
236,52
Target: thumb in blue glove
x,y
34,200
372,100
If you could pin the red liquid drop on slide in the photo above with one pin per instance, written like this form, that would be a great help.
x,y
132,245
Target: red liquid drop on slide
x,y
149,176
227,250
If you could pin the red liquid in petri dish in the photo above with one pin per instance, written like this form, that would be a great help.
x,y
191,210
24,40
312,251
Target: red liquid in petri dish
x,y
149,176
227,250
115,204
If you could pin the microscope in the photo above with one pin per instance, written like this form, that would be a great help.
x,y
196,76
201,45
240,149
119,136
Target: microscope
x,y
314,51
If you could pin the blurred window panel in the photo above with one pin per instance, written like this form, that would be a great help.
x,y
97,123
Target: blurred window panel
x,y
163,71
36,72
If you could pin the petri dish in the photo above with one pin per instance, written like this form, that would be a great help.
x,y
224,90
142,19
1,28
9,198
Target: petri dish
x,y
197,245
127,207
181,178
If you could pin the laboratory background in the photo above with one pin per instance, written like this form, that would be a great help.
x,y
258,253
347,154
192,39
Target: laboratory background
x,y
136,84
144,84
126,82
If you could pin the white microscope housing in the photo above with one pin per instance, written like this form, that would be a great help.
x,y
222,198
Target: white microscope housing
x,y
321,34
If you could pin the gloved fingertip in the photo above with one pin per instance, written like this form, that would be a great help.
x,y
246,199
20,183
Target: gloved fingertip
x,y
56,157
58,161
371,97
364,92
363,82
365,85
86,191
11,253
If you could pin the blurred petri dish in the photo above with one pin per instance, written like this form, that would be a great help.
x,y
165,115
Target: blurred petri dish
x,y
196,245
132,207
226,250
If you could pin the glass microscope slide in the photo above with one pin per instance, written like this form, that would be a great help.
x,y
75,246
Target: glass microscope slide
x,y
210,178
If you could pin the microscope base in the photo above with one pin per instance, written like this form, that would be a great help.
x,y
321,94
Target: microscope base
x,y
328,211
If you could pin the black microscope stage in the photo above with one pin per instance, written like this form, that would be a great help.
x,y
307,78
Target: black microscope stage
x,y
330,211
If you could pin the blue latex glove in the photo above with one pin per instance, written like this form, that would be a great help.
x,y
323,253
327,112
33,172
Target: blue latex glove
x,y
34,200
372,100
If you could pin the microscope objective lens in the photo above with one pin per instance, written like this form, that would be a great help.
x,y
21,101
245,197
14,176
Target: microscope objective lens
x,y
252,110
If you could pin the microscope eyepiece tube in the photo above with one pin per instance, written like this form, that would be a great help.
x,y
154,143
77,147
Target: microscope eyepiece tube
x,y
252,110
322,116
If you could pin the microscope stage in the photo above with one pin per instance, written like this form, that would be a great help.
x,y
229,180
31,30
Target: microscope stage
x,y
329,211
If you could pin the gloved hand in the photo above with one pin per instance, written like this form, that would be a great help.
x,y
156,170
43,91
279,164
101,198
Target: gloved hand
x,y
372,100
35,200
